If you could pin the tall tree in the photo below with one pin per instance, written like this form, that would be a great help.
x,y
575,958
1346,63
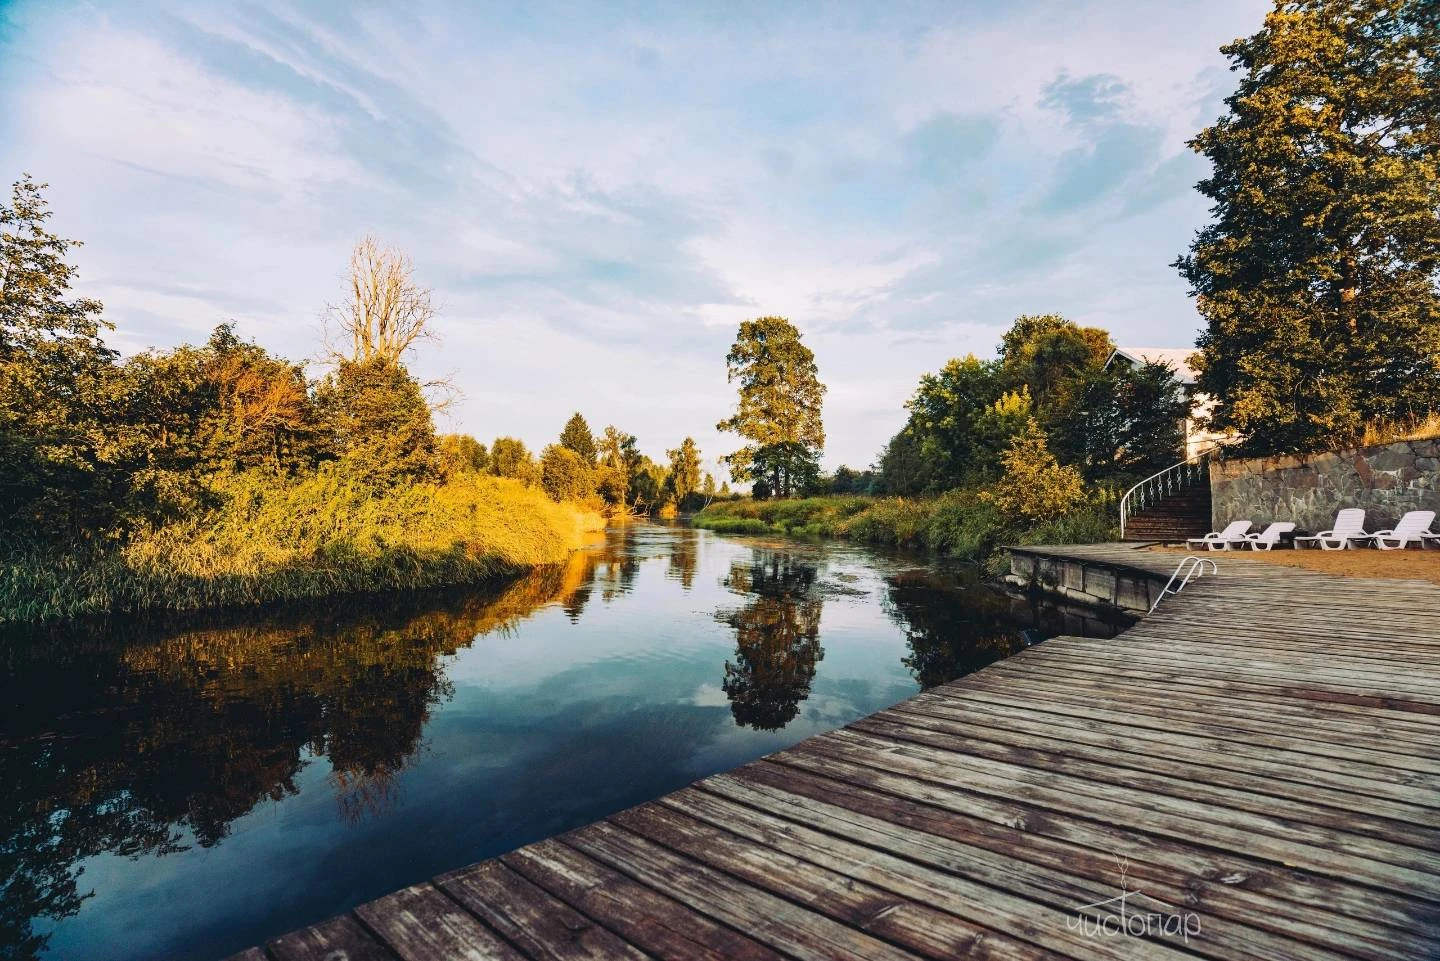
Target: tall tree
x,y
779,410
509,457
684,469
1052,358
1042,351
647,484
55,371
903,470
1131,423
577,437
619,458
377,415
1318,275
945,415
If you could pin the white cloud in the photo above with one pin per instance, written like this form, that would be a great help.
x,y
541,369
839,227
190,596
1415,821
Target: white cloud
x,y
598,202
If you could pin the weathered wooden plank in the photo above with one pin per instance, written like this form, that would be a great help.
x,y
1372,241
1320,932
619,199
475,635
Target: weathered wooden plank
x,y
1037,916
1287,726
1401,813
773,920
1310,848
1412,730
339,939
1302,640
648,919
420,923
249,954
1255,670
846,897
1290,841
1089,720
1184,679
1020,821
1341,667
540,924
1063,874
1199,666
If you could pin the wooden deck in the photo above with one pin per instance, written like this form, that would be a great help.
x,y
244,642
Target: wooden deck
x,y
1256,767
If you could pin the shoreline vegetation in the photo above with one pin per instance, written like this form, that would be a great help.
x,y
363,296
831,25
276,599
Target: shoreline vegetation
x,y
272,540
221,475
960,524
1031,446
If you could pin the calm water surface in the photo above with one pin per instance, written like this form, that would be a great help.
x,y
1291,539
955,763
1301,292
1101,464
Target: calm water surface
x,y
183,788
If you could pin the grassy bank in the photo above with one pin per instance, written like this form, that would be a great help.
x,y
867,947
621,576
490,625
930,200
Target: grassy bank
x,y
956,524
268,539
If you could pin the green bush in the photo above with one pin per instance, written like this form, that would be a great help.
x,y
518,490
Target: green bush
x,y
895,521
966,525
565,475
734,525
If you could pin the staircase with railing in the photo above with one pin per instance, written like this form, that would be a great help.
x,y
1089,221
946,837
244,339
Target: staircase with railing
x,y
1169,505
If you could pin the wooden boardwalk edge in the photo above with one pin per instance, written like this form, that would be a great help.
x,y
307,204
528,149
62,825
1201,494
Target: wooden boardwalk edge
x,y
1253,771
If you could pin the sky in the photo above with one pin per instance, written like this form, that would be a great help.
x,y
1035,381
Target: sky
x,y
598,194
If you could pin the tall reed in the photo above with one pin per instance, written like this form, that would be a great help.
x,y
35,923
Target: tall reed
x,y
273,540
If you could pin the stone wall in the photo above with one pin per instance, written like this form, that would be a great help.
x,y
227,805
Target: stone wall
x,y
1387,480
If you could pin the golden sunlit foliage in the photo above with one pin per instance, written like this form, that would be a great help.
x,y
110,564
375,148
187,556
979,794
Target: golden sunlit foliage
x,y
1035,486
220,474
271,539
1319,273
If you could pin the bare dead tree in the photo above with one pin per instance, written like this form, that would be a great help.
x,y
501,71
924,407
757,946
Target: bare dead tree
x,y
385,310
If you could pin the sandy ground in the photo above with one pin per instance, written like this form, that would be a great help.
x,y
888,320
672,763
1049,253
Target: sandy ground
x,y
1364,562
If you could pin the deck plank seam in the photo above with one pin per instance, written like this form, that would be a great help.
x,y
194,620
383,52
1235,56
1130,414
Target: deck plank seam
x,y
741,880
1193,838
1141,840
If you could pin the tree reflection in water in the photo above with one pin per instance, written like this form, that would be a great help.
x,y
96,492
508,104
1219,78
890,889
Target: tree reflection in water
x,y
684,556
955,625
777,639
148,737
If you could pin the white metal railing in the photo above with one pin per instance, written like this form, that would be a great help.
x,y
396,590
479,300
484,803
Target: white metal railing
x,y
1190,472
1194,567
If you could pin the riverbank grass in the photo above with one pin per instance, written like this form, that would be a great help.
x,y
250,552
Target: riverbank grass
x,y
960,524
270,539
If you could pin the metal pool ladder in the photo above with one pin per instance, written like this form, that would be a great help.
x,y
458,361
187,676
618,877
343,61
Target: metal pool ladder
x,y
1192,567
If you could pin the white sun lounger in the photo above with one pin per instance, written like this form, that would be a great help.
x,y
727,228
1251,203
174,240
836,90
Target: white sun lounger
x,y
1269,537
1414,526
1234,533
1349,526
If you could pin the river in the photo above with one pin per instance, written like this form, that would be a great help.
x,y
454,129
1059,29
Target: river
x,y
183,787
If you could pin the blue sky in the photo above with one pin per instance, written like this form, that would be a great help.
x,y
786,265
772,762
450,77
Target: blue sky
x,y
599,194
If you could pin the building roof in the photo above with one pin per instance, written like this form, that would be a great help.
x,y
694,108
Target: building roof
x,y
1176,357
